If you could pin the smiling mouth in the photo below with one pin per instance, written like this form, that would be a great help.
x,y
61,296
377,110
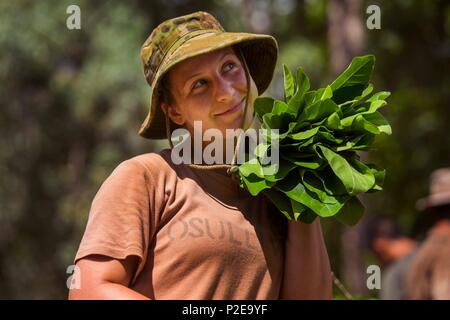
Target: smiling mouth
x,y
233,109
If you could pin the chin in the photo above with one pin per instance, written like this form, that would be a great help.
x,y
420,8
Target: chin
x,y
232,127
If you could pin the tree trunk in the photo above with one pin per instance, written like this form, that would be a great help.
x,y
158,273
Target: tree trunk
x,y
256,17
346,40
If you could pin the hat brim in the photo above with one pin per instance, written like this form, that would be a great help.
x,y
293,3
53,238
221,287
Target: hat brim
x,y
260,53
434,200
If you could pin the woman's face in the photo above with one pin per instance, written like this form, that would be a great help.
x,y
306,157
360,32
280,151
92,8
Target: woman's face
x,y
210,88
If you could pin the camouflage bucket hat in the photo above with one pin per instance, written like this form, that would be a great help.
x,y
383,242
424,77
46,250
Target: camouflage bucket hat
x,y
187,36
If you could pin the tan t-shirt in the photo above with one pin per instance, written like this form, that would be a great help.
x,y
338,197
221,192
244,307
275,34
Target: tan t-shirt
x,y
197,234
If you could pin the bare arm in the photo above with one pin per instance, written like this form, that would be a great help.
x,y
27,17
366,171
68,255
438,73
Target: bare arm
x,y
103,277
307,272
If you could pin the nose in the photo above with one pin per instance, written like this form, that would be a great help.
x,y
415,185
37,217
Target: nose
x,y
224,90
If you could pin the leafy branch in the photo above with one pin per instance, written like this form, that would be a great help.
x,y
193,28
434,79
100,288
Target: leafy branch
x,y
319,133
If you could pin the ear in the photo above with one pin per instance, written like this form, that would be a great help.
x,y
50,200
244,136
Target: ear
x,y
174,114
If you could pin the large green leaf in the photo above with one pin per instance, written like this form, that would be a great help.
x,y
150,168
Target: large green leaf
x,y
255,184
297,103
346,106
331,183
309,97
317,111
334,121
284,168
261,150
349,93
370,106
312,163
302,135
382,95
351,213
251,166
279,107
273,121
289,83
358,73
377,119
263,105
313,184
326,94
377,172
354,181
328,136
302,213
281,201
361,124
297,209
293,187
354,80
362,142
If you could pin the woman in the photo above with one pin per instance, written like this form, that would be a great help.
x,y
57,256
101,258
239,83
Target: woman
x,y
157,230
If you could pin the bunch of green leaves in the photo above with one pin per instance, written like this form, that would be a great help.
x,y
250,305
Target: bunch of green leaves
x,y
320,131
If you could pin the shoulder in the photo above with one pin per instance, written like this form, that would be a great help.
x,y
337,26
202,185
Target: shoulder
x,y
147,164
135,182
136,175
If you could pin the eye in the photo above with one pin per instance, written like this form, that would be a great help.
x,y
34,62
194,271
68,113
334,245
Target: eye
x,y
229,66
199,83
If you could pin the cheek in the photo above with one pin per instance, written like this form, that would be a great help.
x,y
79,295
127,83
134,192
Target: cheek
x,y
198,108
241,84
240,81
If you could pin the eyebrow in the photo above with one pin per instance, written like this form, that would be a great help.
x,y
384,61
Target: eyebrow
x,y
199,73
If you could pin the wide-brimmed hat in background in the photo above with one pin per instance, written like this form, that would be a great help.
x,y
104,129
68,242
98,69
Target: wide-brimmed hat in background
x,y
439,190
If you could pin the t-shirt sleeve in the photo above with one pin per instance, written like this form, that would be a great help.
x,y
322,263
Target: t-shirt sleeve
x,y
119,219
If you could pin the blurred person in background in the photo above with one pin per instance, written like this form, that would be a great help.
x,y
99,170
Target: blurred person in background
x,y
395,251
429,275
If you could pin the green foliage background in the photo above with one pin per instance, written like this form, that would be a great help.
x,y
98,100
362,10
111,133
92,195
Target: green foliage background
x,y
71,102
